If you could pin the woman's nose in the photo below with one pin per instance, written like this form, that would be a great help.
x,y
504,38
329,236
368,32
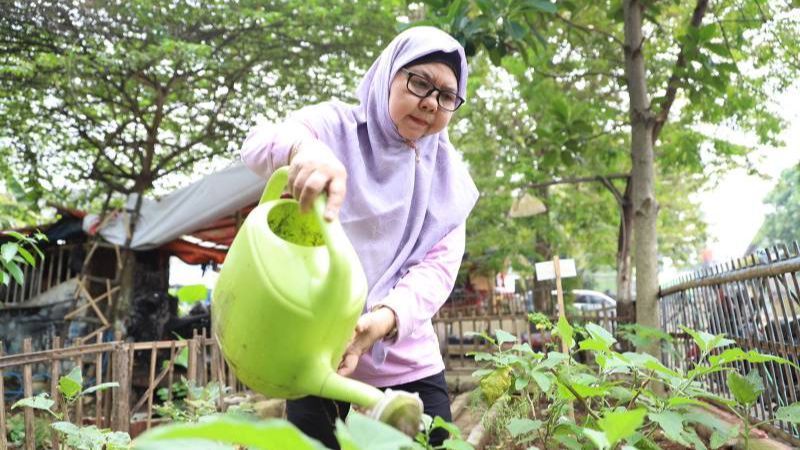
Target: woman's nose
x,y
429,103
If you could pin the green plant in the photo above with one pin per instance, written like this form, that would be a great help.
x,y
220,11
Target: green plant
x,y
615,403
358,433
76,437
16,431
14,255
198,402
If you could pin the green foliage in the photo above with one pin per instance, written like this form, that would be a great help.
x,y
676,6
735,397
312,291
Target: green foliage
x,y
14,256
615,402
16,431
781,224
222,432
76,437
199,402
547,102
119,96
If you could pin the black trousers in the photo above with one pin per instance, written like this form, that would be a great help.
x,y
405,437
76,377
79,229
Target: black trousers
x,y
316,417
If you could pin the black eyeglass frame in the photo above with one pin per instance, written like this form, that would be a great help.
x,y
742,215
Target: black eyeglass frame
x,y
431,91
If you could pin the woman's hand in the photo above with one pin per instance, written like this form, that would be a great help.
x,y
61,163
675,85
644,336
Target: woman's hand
x,y
371,327
312,169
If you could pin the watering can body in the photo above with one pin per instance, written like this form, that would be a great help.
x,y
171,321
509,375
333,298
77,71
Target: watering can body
x,y
287,301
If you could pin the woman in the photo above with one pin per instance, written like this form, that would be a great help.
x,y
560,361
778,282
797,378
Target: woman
x,y
402,195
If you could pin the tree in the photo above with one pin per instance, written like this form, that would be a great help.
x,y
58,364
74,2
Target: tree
x,y
782,225
118,96
708,64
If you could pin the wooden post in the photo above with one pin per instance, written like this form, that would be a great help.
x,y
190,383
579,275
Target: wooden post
x,y
3,431
151,383
55,373
560,296
192,363
98,398
79,403
27,379
120,420
562,312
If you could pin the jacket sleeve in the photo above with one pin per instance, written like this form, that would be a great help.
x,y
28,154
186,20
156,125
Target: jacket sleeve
x,y
267,146
427,285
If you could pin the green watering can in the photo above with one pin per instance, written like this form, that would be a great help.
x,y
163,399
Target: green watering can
x,y
286,303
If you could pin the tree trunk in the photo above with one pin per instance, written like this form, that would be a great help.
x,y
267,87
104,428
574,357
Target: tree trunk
x,y
645,207
122,308
624,268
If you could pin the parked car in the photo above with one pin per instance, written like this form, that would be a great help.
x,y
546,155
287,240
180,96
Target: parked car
x,y
592,300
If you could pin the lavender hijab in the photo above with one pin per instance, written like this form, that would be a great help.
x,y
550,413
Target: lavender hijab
x,y
396,208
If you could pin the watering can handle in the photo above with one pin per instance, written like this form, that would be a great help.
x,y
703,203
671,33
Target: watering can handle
x,y
333,234
275,185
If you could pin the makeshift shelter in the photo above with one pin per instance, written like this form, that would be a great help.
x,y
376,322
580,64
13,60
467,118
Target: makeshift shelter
x,y
81,271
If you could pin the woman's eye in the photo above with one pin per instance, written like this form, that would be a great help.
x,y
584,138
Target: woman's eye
x,y
448,97
420,84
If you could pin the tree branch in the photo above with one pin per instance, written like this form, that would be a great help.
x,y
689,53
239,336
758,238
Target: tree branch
x,y
675,79
598,178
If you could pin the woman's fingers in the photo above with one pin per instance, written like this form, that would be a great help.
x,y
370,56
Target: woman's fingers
x,y
313,170
336,191
312,186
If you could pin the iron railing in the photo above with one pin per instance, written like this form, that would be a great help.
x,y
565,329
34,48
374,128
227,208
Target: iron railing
x,y
755,301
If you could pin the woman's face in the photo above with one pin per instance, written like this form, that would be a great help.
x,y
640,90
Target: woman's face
x,y
416,117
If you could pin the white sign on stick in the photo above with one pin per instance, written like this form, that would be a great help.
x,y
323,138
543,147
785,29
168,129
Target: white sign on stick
x,y
547,270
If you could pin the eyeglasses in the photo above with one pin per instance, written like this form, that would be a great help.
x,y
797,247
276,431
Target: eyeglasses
x,y
421,87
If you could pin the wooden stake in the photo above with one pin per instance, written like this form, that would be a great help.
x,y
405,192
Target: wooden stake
x,y
27,379
3,443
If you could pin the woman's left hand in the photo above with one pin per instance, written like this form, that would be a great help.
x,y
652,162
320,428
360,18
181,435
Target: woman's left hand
x,y
371,327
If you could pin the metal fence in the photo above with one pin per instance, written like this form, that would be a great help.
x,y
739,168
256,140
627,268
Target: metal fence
x,y
755,301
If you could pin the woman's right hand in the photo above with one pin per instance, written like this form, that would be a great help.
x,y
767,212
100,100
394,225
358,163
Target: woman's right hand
x,y
313,168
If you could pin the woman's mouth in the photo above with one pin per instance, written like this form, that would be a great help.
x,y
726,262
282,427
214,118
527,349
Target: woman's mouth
x,y
419,122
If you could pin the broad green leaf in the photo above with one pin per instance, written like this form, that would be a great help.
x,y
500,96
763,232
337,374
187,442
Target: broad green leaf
x,y
598,438
593,344
451,428
618,425
480,373
503,337
601,334
720,438
271,433
100,387
454,444
117,440
672,424
544,380
496,384
482,335
789,413
520,384
371,434
8,251
707,341
27,256
71,384
518,427
192,293
737,354
553,359
745,390
541,5
41,402
677,401
13,269
565,331
16,235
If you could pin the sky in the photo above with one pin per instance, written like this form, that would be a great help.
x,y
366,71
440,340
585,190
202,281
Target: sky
x,y
734,208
